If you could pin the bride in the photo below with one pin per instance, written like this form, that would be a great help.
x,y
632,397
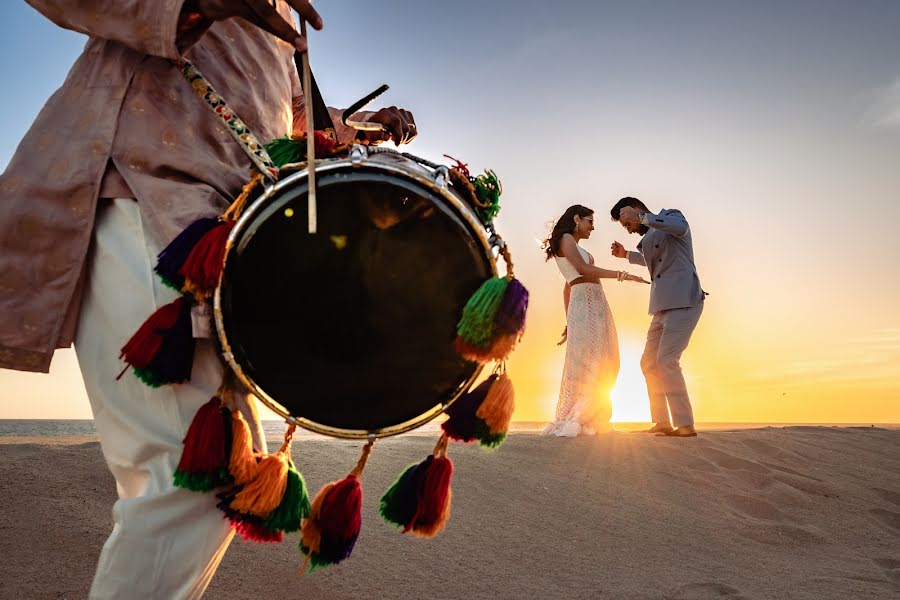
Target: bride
x,y
592,353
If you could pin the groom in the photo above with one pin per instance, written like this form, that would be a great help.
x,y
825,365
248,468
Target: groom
x,y
676,302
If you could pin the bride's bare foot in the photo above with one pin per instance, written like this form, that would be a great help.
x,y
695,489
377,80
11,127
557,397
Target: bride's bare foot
x,y
660,428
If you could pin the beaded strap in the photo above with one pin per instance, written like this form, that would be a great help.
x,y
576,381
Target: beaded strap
x,y
236,127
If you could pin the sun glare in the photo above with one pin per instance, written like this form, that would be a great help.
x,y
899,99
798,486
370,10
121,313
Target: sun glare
x,y
629,395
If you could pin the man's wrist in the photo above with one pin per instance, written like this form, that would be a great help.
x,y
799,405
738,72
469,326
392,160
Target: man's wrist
x,y
644,217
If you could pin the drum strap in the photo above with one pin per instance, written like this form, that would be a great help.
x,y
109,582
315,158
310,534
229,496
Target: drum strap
x,y
236,127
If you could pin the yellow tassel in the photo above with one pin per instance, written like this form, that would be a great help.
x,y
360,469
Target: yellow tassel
x,y
242,463
497,408
263,495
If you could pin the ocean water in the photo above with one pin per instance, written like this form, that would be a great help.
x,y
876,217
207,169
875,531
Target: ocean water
x,y
275,429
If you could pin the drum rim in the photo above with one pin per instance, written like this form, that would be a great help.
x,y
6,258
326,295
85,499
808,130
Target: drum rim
x,y
438,185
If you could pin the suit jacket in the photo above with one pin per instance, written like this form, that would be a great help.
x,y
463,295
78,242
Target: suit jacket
x,y
124,101
668,253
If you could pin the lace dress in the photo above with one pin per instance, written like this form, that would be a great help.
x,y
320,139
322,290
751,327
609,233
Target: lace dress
x,y
592,359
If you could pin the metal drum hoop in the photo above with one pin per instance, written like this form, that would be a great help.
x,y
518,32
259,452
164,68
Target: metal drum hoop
x,y
435,181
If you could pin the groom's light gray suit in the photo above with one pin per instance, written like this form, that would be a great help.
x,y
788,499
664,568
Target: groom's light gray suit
x,y
676,302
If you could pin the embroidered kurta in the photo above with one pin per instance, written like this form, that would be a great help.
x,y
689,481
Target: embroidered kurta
x,y
124,102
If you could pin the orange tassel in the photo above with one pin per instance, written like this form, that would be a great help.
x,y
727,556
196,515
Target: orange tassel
x,y
263,495
499,348
242,462
310,532
497,408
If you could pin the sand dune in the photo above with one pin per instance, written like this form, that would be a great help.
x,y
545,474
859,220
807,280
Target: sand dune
x,y
801,512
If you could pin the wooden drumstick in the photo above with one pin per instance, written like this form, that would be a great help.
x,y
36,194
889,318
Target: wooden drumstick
x,y
310,134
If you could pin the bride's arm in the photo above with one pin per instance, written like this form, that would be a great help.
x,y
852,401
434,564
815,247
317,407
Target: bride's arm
x,y
566,291
569,249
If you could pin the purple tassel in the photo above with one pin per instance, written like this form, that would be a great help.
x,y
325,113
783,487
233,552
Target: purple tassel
x,y
169,261
511,316
461,421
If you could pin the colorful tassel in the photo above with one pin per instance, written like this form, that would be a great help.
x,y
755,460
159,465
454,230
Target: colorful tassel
x,y
477,323
273,501
204,459
173,256
162,349
495,413
487,190
329,533
400,502
203,266
419,501
461,422
263,494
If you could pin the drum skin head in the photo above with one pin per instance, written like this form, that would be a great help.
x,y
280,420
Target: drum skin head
x,y
349,331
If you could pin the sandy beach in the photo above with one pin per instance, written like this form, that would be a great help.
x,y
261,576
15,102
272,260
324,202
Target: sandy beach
x,y
799,512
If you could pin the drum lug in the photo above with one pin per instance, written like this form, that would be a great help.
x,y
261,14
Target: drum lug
x,y
358,155
441,175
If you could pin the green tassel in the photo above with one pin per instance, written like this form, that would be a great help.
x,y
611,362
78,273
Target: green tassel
x,y
485,437
200,482
149,379
398,506
294,504
477,323
487,190
286,150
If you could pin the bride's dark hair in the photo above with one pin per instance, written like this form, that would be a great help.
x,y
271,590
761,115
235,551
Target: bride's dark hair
x,y
564,224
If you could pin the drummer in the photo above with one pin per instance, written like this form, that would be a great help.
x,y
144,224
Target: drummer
x,y
120,160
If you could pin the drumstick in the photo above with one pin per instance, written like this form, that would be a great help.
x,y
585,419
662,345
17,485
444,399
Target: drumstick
x,y
310,134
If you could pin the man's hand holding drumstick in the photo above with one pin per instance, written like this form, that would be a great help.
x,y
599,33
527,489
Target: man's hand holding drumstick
x,y
197,15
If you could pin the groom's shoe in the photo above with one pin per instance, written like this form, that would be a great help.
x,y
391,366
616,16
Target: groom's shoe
x,y
660,428
683,431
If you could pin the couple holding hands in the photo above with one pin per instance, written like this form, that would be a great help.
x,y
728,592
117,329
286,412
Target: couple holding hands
x,y
592,352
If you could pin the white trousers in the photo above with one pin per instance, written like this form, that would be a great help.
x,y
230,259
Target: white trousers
x,y
166,542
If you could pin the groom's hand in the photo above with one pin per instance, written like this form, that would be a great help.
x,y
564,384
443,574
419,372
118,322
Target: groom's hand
x,y
618,250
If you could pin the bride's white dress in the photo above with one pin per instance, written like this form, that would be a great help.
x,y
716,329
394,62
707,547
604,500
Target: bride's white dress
x,y
592,359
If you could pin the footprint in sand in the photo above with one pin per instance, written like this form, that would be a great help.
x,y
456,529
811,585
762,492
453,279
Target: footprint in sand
x,y
706,591
888,518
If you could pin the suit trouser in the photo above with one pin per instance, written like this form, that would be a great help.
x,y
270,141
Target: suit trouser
x,y
166,542
668,336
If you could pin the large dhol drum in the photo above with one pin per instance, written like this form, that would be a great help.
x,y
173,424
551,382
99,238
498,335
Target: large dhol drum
x,y
349,331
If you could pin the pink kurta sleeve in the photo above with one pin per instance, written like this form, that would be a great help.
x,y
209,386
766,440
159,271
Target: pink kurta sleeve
x,y
147,26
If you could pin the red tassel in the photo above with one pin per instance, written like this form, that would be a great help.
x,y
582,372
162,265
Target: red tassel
x,y
433,509
141,349
328,534
323,144
203,267
204,461
254,532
